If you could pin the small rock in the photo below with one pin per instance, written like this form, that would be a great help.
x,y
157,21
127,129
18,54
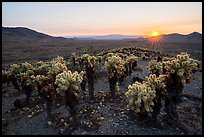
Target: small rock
x,y
29,116
101,118
62,120
49,123
84,133
65,124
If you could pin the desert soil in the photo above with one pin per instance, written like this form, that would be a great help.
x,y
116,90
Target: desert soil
x,y
102,116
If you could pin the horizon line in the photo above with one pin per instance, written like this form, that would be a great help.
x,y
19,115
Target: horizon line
x,y
86,35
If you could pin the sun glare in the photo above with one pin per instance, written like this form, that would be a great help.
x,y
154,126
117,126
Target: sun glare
x,y
154,33
155,38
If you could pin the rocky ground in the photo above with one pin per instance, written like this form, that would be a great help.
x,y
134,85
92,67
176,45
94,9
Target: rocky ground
x,y
103,116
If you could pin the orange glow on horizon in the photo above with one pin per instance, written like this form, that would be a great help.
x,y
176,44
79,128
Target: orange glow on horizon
x,y
154,33
155,38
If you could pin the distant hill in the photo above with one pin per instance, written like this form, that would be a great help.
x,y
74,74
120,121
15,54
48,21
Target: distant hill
x,y
105,37
194,37
25,34
21,34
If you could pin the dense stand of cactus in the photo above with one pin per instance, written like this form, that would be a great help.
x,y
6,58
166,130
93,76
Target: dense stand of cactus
x,y
166,80
55,81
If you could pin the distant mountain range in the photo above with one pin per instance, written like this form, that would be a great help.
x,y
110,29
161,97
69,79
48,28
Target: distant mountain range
x,y
26,34
105,37
194,37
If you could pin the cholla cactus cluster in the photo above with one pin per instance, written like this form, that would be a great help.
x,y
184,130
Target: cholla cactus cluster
x,y
199,64
89,60
59,59
42,67
57,68
25,66
5,73
99,59
73,55
182,66
114,63
25,76
39,79
131,58
58,65
138,93
155,67
14,69
67,78
156,83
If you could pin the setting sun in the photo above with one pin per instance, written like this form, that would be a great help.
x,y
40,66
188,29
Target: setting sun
x,y
154,33
155,38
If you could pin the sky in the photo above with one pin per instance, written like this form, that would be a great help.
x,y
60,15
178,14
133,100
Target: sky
x,y
102,18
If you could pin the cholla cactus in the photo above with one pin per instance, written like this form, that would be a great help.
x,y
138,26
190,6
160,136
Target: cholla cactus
x,y
155,67
178,71
57,68
42,68
25,77
67,83
39,79
89,60
90,67
156,83
14,69
110,54
199,65
65,79
58,59
73,56
25,66
182,66
115,69
13,75
132,58
140,97
132,62
99,58
114,64
5,76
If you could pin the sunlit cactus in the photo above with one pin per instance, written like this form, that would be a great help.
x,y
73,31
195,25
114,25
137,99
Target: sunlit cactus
x,y
156,83
159,85
178,70
115,69
58,65
65,79
132,62
90,68
182,66
73,57
67,83
140,97
42,68
25,66
155,67
100,59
